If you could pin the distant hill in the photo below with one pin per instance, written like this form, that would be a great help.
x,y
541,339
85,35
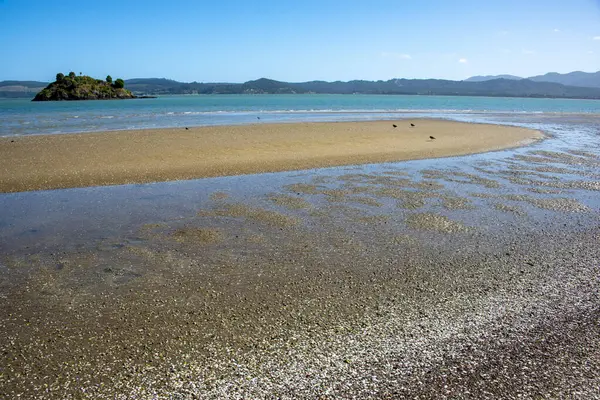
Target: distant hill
x,y
494,87
576,78
162,86
151,85
27,84
72,87
20,89
483,78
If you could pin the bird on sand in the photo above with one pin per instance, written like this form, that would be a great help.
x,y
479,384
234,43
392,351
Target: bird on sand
x,y
431,137
394,125
186,128
412,124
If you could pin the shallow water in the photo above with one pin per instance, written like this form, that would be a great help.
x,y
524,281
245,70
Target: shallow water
x,y
72,218
23,117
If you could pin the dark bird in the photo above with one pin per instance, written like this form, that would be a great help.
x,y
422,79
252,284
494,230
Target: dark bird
x,y
412,124
394,125
431,137
257,117
186,128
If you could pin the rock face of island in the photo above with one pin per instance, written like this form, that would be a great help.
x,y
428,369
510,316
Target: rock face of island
x,y
83,87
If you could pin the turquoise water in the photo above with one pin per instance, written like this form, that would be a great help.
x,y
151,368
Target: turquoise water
x,y
23,117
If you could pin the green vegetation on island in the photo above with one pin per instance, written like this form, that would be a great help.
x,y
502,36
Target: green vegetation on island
x,y
83,87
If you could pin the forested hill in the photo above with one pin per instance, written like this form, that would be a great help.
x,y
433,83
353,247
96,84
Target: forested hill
x,y
495,87
83,87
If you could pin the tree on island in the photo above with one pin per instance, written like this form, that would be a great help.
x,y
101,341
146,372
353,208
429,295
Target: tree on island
x,y
72,75
119,83
109,79
60,76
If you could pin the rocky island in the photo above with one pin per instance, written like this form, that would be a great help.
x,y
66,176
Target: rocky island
x,y
83,87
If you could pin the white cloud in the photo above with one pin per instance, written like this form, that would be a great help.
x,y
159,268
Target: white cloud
x,y
528,52
590,52
596,38
463,61
556,30
400,56
502,33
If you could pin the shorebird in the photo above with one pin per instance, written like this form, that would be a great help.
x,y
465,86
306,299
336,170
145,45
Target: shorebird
x,y
431,137
394,125
412,124
186,128
257,117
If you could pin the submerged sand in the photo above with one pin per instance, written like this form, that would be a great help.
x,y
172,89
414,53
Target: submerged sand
x,y
151,155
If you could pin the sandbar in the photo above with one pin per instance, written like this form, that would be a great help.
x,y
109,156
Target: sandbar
x,y
45,162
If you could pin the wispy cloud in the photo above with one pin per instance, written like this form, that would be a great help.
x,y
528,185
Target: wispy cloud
x,y
502,33
590,52
556,30
463,61
400,56
528,52
596,38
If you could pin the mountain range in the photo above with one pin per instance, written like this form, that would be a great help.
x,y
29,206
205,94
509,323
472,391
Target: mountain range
x,y
575,78
483,78
572,85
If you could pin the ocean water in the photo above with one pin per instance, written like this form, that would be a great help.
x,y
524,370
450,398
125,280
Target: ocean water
x,y
23,117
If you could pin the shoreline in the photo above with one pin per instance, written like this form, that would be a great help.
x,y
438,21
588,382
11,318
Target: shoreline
x,y
44,162
393,115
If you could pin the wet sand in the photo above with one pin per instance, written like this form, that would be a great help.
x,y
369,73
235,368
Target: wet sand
x,y
111,158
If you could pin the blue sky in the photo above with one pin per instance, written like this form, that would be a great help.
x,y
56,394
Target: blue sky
x,y
235,41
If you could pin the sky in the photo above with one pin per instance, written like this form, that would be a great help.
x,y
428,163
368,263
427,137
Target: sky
x,y
295,41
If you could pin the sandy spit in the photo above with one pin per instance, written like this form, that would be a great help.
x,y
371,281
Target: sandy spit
x,y
141,156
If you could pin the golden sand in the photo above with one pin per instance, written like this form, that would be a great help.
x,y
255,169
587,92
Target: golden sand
x,y
121,157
